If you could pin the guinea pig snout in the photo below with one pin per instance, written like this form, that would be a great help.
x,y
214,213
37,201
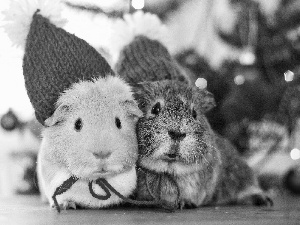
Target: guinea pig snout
x,y
170,157
101,155
176,136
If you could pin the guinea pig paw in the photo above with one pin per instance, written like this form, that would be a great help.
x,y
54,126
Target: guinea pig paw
x,y
261,200
71,205
65,205
257,199
187,205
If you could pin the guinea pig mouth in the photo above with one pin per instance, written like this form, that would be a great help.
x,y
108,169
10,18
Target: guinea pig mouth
x,y
170,158
172,155
104,172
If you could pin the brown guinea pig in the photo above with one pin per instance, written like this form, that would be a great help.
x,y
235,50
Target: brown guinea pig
x,y
181,159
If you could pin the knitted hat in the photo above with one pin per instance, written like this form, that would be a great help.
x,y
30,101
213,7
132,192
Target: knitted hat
x,y
138,49
147,60
53,60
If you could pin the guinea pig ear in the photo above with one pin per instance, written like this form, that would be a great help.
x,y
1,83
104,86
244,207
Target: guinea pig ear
x,y
58,117
204,99
132,108
142,92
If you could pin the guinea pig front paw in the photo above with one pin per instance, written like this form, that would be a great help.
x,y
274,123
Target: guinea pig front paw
x,y
187,205
261,200
257,199
65,205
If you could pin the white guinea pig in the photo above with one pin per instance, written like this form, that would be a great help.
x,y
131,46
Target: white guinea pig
x,y
91,135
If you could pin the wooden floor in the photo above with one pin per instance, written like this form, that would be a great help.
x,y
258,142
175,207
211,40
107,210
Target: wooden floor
x,y
30,211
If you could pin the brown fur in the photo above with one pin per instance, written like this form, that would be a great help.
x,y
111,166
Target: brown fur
x,y
206,169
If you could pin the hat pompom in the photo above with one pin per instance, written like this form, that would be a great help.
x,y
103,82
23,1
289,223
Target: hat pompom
x,y
19,17
139,23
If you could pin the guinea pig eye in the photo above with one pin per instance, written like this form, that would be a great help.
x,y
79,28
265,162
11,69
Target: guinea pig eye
x,y
118,123
156,108
194,114
78,125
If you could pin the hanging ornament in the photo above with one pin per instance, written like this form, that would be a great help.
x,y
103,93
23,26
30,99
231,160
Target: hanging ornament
x,y
10,121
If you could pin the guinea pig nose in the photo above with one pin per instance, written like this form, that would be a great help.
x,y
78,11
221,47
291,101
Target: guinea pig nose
x,y
101,155
171,156
176,136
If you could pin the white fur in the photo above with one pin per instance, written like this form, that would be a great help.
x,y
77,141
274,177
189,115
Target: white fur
x,y
65,151
125,183
139,23
111,86
19,17
79,193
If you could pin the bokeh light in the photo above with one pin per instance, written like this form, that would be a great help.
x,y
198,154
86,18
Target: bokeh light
x,y
295,154
138,4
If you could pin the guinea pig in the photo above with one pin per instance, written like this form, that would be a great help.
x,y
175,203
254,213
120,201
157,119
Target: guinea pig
x,y
181,159
90,135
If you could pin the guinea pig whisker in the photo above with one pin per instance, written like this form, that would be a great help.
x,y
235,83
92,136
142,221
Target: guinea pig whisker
x,y
198,160
140,144
214,148
147,154
208,163
209,145
132,156
130,162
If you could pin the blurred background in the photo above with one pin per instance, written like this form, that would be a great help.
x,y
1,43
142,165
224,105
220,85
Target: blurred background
x,y
247,50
